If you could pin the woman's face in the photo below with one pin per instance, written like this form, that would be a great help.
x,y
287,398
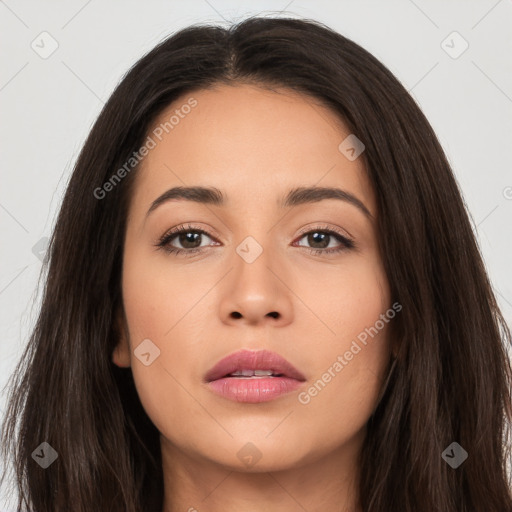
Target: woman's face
x,y
272,273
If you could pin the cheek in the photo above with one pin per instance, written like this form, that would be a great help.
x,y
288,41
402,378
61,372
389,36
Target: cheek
x,y
158,296
344,391
351,360
161,305
344,298
351,375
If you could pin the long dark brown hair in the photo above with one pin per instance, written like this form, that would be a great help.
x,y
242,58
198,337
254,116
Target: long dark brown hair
x,y
451,379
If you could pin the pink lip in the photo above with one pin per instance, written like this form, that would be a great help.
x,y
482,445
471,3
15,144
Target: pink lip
x,y
253,390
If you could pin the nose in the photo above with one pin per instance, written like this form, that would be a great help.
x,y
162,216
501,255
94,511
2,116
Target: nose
x,y
256,293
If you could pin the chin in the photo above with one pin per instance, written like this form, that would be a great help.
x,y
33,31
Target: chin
x,y
259,457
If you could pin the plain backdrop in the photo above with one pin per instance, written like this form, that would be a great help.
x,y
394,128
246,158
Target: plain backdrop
x,y
454,57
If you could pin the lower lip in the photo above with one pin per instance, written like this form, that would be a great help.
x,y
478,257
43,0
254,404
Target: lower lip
x,y
255,390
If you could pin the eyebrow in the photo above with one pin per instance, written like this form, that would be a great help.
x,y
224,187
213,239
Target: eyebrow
x,y
295,197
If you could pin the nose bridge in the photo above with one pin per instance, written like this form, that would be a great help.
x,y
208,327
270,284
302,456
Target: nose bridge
x,y
252,262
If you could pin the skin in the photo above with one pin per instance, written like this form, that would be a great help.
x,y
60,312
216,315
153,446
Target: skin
x,y
254,144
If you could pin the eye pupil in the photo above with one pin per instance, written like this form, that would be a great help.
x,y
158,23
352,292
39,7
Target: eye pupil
x,y
186,238
316,237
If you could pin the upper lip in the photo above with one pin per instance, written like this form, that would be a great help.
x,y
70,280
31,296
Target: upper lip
x,y
253,360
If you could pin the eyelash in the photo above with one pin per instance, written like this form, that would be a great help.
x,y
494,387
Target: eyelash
x,y
164,241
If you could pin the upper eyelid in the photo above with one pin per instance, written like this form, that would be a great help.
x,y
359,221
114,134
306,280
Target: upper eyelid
x,y
338,231
186,228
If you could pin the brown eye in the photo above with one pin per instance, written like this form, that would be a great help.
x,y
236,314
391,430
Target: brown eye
x,y
185,239
190,240
322,240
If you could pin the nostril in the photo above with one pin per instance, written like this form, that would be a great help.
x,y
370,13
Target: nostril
x,y
236,314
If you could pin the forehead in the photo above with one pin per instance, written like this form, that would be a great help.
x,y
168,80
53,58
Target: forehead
x,y
252,143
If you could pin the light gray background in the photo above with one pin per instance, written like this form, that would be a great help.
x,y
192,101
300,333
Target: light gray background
x,y
49,105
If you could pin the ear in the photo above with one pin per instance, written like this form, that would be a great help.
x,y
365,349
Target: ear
x,y
121,353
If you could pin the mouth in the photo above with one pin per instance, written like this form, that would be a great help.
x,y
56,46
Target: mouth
x,y
253,376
